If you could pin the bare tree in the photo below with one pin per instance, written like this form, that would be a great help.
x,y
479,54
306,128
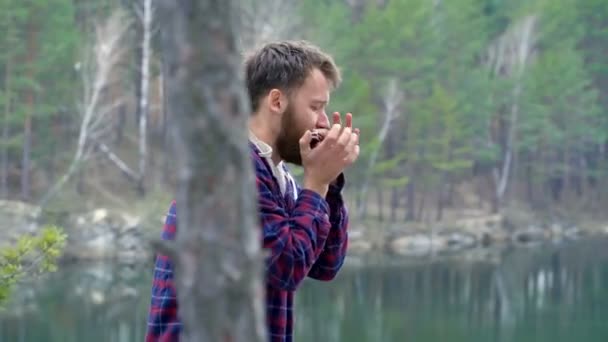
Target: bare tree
x,y
98,69
508,57
217,248
145,14
5,127
392,101
265,20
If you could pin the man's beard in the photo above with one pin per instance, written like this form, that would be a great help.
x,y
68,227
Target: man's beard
x,y
288,141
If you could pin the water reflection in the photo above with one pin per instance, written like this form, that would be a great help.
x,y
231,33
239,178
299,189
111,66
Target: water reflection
x,y
94,302
547,294
542,294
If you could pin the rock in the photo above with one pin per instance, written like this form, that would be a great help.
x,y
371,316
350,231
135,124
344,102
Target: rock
x,y
359,247
128,292
104,234
486,222
573,233
493,236
459,241
97,297
18,218
18,209
416,244
93,247
99,215
529,236
358,243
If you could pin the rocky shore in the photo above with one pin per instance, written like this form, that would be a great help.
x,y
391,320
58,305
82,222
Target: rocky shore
x,y
104,234
464,234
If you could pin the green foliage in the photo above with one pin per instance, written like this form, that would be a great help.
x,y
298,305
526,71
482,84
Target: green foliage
x,y
31,255
456,111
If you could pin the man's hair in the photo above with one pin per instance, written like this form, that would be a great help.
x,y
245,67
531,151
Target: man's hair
x,y
285,65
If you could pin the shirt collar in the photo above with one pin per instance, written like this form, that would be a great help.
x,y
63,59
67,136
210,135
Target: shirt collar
x,y
264,148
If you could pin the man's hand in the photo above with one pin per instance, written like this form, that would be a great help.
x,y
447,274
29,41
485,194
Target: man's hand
x,y
338,150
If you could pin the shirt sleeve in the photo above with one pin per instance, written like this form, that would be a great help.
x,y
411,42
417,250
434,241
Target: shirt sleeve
x,y
163,323
294,239
332,257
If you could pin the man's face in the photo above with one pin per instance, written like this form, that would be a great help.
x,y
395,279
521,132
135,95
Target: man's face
x,y
305,111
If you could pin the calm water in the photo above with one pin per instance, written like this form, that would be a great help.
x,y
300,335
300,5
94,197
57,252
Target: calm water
x,y
541,294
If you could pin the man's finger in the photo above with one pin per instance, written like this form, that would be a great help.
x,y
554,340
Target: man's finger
x,y
336,118
333,135
352,157
305,142
349,120
345,137
354,140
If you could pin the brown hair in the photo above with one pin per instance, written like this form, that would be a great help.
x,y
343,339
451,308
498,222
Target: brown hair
x,y
285,65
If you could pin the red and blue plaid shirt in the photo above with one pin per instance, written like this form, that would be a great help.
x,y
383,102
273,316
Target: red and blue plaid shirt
x,y
306,235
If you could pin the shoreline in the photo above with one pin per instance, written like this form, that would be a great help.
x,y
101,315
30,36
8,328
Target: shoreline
x,y
109,234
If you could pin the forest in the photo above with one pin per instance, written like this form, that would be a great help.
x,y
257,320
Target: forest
x,y
464,105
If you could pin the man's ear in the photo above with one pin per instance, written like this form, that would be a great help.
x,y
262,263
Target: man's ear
x,y
277,102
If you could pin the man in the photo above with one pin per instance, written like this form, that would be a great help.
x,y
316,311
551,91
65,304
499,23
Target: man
x,y
304,228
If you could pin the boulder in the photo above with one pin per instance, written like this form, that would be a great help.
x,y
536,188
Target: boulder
x,y
529,236
456,241
416,244
102,233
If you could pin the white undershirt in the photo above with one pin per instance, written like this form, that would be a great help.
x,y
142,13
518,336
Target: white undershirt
x,y
278,170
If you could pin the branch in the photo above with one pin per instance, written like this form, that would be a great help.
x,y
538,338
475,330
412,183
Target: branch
x,y
132,175
392,101
100,61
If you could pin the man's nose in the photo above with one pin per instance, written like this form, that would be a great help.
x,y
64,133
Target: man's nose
x,y
323,121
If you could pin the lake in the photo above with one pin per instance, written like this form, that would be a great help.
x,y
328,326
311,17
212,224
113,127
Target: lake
x,y
546,293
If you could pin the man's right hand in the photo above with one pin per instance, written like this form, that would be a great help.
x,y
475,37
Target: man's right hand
x,y
328,159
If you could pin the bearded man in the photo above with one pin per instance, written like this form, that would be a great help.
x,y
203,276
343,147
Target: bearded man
x,y
304,226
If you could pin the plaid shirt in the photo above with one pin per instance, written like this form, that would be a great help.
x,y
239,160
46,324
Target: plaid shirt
x,y
305,233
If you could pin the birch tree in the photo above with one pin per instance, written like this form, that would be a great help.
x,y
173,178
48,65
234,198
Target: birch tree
x,y
98,70
145,14
392,100
217,250
266,20
508,57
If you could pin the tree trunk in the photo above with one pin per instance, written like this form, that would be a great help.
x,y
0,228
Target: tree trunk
x,y
394,203
391,100
5,128
27,124
380,194
362,203
219,264
440,199
444,183
449,201
420,215
411,201
511,52
529,183
145,86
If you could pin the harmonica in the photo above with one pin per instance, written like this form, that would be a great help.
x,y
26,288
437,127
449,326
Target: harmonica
x,y
316,139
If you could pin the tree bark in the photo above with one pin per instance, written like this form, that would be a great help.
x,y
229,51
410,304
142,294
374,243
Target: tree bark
x,y
380,194
217,250
394,203
5,127
27,124
512,52
145,87
410,214
391,100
